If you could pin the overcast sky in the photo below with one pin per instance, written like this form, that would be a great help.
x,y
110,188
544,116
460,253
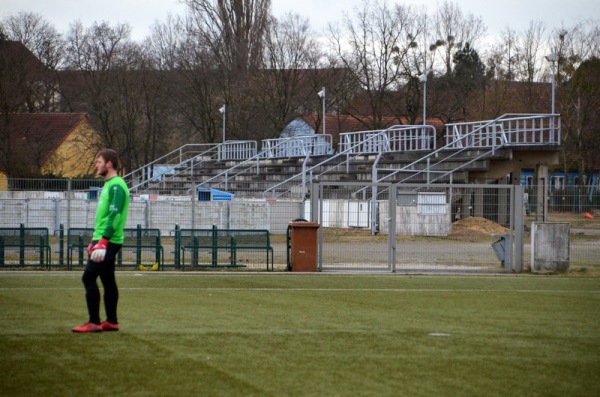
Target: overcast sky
x,y
141,14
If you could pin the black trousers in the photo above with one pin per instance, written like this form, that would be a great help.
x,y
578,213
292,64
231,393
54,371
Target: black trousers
x,y
106,271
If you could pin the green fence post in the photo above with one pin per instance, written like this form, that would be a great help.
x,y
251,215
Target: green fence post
x,y
80,250
233,252
22,245
157,244
195,252
61,245
1,251
42,247
176,254
215,253
138,245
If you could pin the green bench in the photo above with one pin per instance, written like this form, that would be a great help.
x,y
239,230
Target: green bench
x,y
28,245
215,241
137,241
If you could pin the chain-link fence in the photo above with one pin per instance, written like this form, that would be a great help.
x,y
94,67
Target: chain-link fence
x,y
437,228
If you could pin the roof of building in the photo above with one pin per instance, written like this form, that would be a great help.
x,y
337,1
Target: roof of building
x,y
42,132
336,124
16,54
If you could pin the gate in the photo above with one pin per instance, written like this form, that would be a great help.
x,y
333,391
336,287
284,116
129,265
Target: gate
x,y
418,227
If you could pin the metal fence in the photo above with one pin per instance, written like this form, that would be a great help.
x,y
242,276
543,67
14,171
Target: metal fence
x,y
438,227
417,227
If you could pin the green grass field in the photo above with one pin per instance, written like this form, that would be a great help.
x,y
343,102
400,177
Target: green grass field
x,y
283,334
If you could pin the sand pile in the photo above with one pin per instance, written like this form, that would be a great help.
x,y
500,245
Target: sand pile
x,y
477,226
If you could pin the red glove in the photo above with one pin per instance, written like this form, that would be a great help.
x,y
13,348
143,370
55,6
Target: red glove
x,y
90,248
99,250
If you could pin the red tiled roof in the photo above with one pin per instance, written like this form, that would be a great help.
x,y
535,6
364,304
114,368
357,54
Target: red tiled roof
x,y
336,124
42,132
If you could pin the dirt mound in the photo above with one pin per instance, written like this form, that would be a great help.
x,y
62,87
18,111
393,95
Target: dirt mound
x,y
477,226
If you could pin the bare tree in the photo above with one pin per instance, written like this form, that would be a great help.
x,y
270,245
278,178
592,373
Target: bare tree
x,y
283,86
37,34
233,30
583,116
22,83
577,50
46,44
573,45
163,43
375,43
106,80
230,33
452,30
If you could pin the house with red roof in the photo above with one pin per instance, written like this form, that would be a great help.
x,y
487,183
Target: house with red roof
x,y
42,144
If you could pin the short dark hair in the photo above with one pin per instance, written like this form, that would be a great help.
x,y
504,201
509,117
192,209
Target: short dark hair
x,y
110,155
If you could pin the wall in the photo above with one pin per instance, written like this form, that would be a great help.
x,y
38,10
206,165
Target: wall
x,y
43,209
50,209
75,156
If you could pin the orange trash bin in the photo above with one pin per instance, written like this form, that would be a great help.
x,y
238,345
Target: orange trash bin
x,y
303,245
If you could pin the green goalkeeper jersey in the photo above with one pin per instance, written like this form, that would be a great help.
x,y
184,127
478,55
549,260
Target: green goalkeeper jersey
x,y
111,213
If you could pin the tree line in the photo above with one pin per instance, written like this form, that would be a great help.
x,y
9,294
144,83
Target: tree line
x,y
148,97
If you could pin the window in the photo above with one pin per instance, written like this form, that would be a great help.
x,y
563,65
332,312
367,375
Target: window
x,y
529,181
406,199
557,182
431,204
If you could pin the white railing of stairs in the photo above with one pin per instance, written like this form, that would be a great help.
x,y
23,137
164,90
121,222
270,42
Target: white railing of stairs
x,y
398,138
186,159
355,144
299,146
508,130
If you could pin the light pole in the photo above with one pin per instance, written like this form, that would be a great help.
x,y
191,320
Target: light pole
x,y
552,58
423,79
223,111
322,95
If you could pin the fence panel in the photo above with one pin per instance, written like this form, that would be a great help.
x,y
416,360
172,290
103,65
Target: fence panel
x,y
355,236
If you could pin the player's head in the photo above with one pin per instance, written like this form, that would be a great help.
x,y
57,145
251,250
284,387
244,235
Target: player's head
x,y
107,161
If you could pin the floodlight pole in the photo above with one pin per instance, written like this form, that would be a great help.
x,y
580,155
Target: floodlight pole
x,y
223,110
552,59
423,79
322,95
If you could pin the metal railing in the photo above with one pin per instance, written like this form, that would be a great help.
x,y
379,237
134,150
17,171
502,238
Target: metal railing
x,y
350,151
510,129
506,130
298,146
187,159
168,166
237,150
398,138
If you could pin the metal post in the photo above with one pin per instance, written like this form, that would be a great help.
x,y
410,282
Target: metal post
x,y
322,95
423,79
553,62
552,58
223,110
518,225
392,203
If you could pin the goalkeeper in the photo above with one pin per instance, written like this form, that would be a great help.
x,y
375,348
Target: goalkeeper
x,y
111,215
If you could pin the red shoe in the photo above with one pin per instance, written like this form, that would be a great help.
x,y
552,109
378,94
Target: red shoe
x,y
88,327
106,326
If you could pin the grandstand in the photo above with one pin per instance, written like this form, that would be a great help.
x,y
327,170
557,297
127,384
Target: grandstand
x,y
481,152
